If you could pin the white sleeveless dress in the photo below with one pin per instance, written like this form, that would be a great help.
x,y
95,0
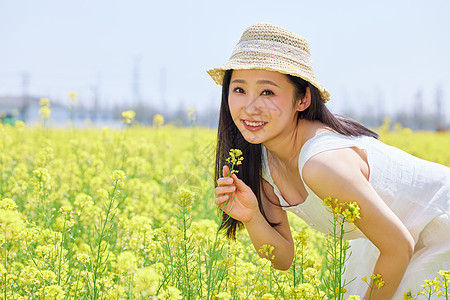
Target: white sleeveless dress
x,y
416,190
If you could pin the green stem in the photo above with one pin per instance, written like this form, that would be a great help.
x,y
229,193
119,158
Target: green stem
x,y
341,252
371,289
185,254
302,264
172,272
446,287
335,285
61,252
76,286
280,288
6,261
294,263
97,261
210,265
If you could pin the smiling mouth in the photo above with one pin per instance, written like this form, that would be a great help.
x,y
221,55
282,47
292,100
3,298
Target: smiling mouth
x,y
253,125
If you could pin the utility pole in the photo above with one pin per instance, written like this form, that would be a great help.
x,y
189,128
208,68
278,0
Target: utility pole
x,y
25,103
163,90
95,93
94,90
136,86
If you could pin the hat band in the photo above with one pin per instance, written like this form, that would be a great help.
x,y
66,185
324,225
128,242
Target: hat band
x,y
265,59
274,48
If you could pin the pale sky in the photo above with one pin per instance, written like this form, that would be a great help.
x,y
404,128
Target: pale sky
x,y
370,54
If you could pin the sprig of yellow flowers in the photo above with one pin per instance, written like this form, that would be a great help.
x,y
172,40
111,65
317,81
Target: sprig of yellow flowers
x,y
234,160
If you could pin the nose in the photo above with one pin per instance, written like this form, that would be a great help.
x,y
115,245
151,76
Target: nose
x,y
253,106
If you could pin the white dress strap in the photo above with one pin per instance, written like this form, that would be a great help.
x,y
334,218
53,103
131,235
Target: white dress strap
x,y
315,145
324,142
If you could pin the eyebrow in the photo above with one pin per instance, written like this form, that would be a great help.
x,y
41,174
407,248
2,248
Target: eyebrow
x,y
258,82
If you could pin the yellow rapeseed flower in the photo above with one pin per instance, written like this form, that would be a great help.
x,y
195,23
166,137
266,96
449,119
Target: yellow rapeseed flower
x,y
8,203
118,178
53,292
83,201
267,250
102,194
350,211
11,223
445,274
20,124
300,238
44,102
46,251
73,96
44,112
82,258
128,116
377,280
172,293
408,295
49,276
126,262
312,275
304,291
223,296
158,120
66,210
268,296
63,223
185,199
191,115
42,178
330,202
146,282
235,159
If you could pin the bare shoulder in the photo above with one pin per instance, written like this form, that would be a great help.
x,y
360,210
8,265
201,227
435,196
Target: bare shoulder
x,y
338,168
339,174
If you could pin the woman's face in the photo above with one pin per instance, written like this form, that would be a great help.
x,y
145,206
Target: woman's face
x,y
262,104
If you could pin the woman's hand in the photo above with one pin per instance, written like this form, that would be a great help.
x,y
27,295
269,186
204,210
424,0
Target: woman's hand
x,y
235,198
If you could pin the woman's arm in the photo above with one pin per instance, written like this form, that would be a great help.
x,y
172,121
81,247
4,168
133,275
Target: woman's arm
x,y
281,234
244,208
339,173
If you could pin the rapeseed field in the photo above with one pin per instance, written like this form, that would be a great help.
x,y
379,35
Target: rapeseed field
x,y
129,214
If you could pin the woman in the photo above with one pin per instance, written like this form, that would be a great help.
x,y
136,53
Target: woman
x,y
298,153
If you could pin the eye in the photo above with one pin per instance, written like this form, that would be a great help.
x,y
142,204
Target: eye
x,y
238,90
267,93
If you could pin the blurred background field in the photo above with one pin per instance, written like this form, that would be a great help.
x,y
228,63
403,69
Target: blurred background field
x,y
73,227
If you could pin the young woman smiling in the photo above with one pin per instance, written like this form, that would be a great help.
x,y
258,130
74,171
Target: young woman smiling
x,y
297,153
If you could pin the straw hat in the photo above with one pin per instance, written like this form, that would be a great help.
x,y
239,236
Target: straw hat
x,y
271,47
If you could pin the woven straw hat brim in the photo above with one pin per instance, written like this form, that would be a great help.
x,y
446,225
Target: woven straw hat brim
x,y
271,47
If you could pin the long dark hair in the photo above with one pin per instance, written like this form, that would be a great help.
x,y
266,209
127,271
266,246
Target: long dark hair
x,y
229,137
